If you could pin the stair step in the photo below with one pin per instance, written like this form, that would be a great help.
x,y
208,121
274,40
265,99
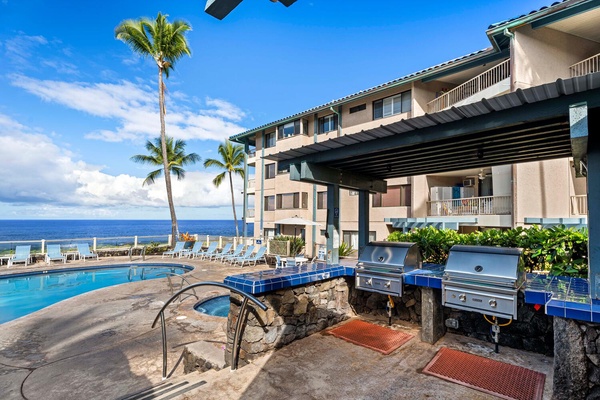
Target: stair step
x,y
165,391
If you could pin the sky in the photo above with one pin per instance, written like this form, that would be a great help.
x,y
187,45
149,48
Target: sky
x,y
76,104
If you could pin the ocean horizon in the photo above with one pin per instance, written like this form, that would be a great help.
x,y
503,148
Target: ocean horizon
x,y
52,229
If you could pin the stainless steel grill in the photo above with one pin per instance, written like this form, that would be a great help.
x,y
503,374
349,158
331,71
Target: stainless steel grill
x,y
483,279
381,265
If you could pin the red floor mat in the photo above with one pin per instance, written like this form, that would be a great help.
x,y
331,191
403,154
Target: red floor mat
x,y
494,377
375,337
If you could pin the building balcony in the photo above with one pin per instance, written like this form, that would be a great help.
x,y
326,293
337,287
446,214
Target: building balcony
x,y
251,186
585,67
490,83
487,205
579,205
252,158
250,215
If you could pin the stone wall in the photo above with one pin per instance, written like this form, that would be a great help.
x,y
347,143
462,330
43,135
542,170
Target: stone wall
x,y
292,314
576,360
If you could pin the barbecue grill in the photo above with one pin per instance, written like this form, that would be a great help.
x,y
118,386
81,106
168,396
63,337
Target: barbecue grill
x,y
381,265
483,279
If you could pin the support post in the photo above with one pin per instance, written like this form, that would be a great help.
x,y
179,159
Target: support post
x,y
432,315
363,220
333,224
245,206
593,189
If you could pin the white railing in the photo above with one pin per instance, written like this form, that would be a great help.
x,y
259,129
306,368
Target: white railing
x,y
251,185
579,205
487,205
587,66
250,213
482,81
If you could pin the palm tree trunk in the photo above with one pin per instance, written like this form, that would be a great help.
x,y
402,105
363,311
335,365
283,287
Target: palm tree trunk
x,y
237,233
163,143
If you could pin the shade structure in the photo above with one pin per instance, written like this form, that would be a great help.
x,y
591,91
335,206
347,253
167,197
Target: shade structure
x,y
296,221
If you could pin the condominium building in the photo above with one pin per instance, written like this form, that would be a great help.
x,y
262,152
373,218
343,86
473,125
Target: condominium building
x,y
543,46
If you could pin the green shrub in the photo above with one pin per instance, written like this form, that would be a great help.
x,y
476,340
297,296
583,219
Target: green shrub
x,y
558,250
345,249
296,243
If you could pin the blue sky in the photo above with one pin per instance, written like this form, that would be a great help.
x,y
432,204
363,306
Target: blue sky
x,y
76,104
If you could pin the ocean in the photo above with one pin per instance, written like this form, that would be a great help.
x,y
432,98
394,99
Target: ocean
x,y
16,230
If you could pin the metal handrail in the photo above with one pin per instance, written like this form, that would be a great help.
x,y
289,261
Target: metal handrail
x,y
238,325
183,279
142,253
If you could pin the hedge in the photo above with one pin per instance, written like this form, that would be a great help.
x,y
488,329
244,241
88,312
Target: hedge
x,y
557,250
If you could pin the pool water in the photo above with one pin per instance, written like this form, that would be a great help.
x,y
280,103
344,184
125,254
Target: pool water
x,y
22,294
217,306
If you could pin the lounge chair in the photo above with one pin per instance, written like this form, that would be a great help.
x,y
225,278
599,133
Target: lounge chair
x,y
260,255
212,249
248,253
279,262
54,254
225,250
22,254
84,251
236,253
194,250
177,250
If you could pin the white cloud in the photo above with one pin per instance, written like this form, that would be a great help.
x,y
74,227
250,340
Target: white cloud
x,y
22,53
36,170
134,106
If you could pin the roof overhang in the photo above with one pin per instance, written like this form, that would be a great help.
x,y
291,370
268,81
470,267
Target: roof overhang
x,y
522,126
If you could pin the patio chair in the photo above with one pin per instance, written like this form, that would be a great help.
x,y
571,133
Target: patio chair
x,y
225,250
279,262
212,248
248,253
260,255
190,252
54,254
84,251
176,250
236,253
22,254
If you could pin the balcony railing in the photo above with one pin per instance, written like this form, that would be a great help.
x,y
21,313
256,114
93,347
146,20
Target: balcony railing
x,y
488,205
482,81
579,205
250,213
251,185
587,66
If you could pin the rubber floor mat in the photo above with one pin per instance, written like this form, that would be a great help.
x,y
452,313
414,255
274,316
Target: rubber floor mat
x,y
375,337
490,376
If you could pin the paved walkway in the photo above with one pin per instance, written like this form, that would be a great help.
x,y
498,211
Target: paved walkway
x,y
100,346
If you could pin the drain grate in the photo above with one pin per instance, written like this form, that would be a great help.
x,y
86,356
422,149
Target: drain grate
x,y
375,337
489,376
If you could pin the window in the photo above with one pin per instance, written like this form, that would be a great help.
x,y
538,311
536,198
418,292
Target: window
x,y
396,196
269,233
328,123
289,129
321,200
270,140
287,201
358,108
270,171
269,204
352,192
351,238
392,105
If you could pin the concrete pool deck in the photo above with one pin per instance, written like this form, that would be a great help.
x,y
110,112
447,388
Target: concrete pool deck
x,y
100,346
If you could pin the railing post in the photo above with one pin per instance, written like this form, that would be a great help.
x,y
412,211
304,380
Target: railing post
x,y
43,245
169,240
207,240
95,243
287,248
135,241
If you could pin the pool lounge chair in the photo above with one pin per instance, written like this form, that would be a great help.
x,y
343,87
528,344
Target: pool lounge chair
x,y
84,251
279,262
248,253
177,250
225,250
54,254
235,253
22,254
212,248
189,252
260,255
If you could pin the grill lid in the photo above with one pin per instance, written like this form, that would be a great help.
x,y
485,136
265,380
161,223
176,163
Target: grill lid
x,y
390,255
481,262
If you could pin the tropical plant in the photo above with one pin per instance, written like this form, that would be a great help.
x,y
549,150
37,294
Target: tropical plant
x,y
166,43
296,243
231,162
345,249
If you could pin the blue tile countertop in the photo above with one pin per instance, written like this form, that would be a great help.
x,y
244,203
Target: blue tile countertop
x,y
275,279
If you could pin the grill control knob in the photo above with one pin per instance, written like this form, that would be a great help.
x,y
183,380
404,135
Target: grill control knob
x,y
462,297
493,303
388,284
369,281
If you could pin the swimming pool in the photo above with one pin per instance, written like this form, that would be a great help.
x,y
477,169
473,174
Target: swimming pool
x,y
217,306
22,294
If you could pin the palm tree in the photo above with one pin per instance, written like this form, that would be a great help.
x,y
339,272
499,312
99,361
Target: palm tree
x,y
232,161
165,43
176,160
